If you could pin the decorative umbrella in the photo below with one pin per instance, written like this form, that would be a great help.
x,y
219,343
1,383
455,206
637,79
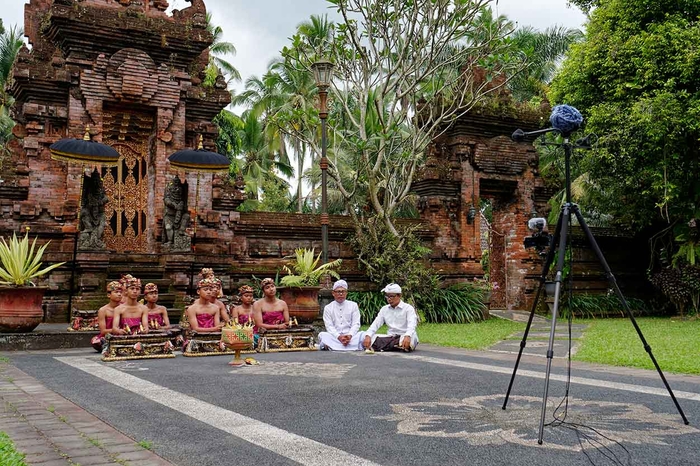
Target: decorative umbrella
x,y
198,160
83,152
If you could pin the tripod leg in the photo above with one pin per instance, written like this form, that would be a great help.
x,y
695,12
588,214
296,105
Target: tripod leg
x,y
543,277
565,218
628,311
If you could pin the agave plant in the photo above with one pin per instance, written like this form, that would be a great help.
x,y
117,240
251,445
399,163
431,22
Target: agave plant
x,y
304,270
20,262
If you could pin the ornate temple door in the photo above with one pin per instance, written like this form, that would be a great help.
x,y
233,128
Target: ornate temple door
x,y
126,186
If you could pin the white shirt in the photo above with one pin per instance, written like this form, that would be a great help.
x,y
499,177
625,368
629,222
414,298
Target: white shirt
x,y
342,318
401,320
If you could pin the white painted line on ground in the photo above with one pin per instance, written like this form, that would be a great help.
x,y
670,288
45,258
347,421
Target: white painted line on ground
x,y
295,447
561,378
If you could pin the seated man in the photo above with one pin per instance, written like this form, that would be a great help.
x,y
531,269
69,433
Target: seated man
x,y
243,313
218,293
401,319
131,316
157,315
342,320
105,315
203,315
270,313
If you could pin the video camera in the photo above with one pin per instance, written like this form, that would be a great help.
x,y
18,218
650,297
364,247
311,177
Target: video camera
x,y
540,238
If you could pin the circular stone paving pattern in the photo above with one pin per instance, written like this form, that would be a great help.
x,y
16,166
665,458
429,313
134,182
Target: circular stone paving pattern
x,y
481,421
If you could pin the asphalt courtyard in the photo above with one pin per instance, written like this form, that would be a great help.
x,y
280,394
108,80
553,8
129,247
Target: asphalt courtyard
x,y
436,406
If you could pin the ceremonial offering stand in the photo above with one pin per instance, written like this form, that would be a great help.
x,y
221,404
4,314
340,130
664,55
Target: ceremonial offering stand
x,y
138,346
237,339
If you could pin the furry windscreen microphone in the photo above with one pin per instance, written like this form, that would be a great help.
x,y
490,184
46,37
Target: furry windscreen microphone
x,y
565,119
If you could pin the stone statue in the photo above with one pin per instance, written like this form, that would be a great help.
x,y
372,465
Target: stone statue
x,y
176,218
92,213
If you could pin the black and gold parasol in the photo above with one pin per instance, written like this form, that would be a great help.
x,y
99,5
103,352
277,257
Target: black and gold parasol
x,y
87,153
198,161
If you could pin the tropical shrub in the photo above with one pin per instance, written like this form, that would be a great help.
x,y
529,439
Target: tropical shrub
x,y
20,263
304,270
455,304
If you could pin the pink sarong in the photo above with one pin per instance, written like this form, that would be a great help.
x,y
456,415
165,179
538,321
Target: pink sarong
x,y
205,320
109,321
158,318
273,317
132,322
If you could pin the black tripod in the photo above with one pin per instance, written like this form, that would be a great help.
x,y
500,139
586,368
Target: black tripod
x,y
559,242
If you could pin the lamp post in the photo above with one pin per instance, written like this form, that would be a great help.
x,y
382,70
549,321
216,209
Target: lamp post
x,y
323,70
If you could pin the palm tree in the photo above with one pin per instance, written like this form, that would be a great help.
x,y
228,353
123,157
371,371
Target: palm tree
x,y
544,50
296,115
218,48
318,34
259,159
10,43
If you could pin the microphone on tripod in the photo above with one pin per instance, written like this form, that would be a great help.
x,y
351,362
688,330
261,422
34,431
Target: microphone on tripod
x,y
565,119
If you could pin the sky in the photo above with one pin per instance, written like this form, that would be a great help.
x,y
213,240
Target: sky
x,y
260,28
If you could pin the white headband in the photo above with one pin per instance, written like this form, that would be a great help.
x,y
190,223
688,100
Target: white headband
x,y
340,284
392,288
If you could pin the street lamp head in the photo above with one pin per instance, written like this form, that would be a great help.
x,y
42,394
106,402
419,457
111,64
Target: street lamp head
x,y
323,73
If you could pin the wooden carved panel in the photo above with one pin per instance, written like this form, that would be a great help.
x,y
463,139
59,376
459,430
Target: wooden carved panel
x,y
126,186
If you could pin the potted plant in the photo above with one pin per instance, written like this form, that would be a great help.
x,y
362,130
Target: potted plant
x,y
20,298
300,287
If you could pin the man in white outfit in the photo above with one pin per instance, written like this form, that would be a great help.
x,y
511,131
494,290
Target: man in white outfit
x,y
400,318
342,320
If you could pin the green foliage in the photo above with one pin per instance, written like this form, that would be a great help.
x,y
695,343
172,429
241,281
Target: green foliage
x,y
20,263
589,306
304,270
681,285
585,5
275,196
636,79
10,44
386,258
369,302
457,304
544,50
9,456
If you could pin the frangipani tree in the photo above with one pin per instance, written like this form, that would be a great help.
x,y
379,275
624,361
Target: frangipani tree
x,y
404,72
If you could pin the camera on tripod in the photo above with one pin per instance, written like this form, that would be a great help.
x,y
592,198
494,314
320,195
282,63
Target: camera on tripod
x,y
540,239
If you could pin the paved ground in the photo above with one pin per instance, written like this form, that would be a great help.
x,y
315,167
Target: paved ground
x,y
436,406
53,431
538,337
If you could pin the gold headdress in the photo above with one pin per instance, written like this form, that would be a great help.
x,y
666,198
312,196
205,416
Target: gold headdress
x,y
129,280
206,282
114,286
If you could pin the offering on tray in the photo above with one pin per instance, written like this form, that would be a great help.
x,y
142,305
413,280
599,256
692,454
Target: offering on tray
x,y
237,337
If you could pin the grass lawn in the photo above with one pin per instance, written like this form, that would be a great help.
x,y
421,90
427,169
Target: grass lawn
x,y
8,455
674,343
479,335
